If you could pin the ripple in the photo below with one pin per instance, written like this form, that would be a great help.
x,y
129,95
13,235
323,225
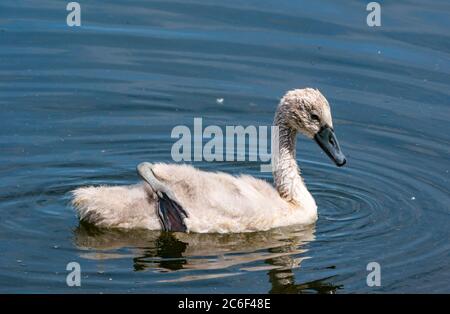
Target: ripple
x,y
85,106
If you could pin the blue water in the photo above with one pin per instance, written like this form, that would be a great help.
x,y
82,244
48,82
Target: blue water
x,y
84,105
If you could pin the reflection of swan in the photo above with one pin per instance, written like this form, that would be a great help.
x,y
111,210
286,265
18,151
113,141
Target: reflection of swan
x,y
202,256
181,198
246,247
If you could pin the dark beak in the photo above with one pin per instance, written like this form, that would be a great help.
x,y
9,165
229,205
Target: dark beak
x,y
330,145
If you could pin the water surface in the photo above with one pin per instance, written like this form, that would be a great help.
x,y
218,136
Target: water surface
x,y
83,106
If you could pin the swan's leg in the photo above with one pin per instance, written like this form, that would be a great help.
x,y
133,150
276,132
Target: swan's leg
x,y
170,212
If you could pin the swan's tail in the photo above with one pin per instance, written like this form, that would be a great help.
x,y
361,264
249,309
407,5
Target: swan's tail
x,y
118,206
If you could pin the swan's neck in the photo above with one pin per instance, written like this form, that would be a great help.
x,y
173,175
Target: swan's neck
x,y
286,171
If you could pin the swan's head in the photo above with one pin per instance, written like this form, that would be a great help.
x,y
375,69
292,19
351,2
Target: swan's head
x,y
307,111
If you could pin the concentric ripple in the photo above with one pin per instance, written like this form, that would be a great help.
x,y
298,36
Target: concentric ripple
x,y
83,106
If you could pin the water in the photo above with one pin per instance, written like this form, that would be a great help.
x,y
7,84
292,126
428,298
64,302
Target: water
x,y
83,106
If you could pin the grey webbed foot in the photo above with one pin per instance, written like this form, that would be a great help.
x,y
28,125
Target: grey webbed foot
x,y
170,212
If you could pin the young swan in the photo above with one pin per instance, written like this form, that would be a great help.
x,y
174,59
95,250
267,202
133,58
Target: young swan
x,y
182,198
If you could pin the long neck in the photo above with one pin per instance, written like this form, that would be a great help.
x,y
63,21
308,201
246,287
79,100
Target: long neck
x,y
286,172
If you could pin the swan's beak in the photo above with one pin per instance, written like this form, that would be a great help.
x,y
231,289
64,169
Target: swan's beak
x,y
330,145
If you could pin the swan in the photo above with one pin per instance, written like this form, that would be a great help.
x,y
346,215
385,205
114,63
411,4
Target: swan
x,y
181,198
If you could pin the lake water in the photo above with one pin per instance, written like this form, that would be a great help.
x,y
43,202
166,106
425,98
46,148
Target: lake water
x,y
83,106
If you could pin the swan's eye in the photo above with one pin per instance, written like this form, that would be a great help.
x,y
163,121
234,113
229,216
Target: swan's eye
x,y
314,117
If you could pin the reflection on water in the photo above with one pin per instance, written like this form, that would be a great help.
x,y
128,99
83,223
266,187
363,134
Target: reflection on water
x,y
84,106
280,250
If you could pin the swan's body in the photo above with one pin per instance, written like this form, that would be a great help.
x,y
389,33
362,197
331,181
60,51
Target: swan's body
x,y
219,202
228,203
